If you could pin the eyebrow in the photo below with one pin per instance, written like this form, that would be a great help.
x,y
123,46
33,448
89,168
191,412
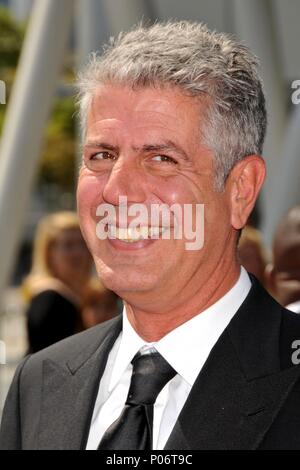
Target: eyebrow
x,y
97,144
163,147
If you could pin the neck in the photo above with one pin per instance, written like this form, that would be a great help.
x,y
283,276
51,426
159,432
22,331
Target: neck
x,y
152,325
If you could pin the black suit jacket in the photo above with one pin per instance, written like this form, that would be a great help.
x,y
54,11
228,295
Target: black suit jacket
x,y
247,395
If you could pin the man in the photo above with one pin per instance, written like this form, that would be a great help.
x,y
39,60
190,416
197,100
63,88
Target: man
x,y
283,274
173,117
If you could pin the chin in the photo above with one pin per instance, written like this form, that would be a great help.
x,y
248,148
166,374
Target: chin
x,y
120,280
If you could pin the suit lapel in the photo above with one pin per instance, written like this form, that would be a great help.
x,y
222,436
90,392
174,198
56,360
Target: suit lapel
x,y
232,404
69,393
241,388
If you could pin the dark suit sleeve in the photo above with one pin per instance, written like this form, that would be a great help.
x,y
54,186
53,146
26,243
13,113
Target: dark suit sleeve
x,y
10,431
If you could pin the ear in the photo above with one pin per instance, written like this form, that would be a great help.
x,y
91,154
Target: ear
x,y
245,181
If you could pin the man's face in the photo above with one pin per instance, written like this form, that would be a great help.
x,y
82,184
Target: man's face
x,y
145,144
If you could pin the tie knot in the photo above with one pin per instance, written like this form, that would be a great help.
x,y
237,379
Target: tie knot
x,y
150,374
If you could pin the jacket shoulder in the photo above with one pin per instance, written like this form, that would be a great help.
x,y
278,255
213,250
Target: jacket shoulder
x,y
81,344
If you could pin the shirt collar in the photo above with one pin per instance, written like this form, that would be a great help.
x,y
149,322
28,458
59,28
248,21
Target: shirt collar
x,y
129,344
193,340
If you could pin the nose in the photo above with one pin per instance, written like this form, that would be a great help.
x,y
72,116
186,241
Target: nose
x,y
125,179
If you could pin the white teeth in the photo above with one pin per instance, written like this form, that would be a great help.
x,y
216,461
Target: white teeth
x,y
144,232
155,231
112,231
131,235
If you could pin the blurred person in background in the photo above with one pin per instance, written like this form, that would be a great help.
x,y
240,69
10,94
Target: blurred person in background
x,y
61,271
283,274
98,304
252,253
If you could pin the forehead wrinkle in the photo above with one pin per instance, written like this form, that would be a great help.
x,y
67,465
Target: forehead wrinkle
x,y
165,146
99,144
154,106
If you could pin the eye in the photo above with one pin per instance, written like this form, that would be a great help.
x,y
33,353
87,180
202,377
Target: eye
x,y
99,161
102,156
164,159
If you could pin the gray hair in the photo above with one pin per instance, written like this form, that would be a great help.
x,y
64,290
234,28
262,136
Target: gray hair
x,y
210,66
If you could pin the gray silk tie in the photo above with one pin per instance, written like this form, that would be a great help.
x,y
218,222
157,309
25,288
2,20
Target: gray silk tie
x,y
133,429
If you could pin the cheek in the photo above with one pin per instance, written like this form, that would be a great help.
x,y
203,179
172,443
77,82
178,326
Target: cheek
x,y
88,199
89,196
216,220
177,191
189,190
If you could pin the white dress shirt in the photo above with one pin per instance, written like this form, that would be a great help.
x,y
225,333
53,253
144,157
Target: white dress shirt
x,y
186,349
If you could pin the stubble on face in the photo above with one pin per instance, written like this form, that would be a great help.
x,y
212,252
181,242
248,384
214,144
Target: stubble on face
x,y
128,122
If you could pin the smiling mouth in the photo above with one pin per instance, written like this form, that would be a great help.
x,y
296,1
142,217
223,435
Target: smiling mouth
x,y
132,235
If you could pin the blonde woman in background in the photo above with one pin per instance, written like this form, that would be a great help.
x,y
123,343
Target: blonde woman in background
x,y
61,271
